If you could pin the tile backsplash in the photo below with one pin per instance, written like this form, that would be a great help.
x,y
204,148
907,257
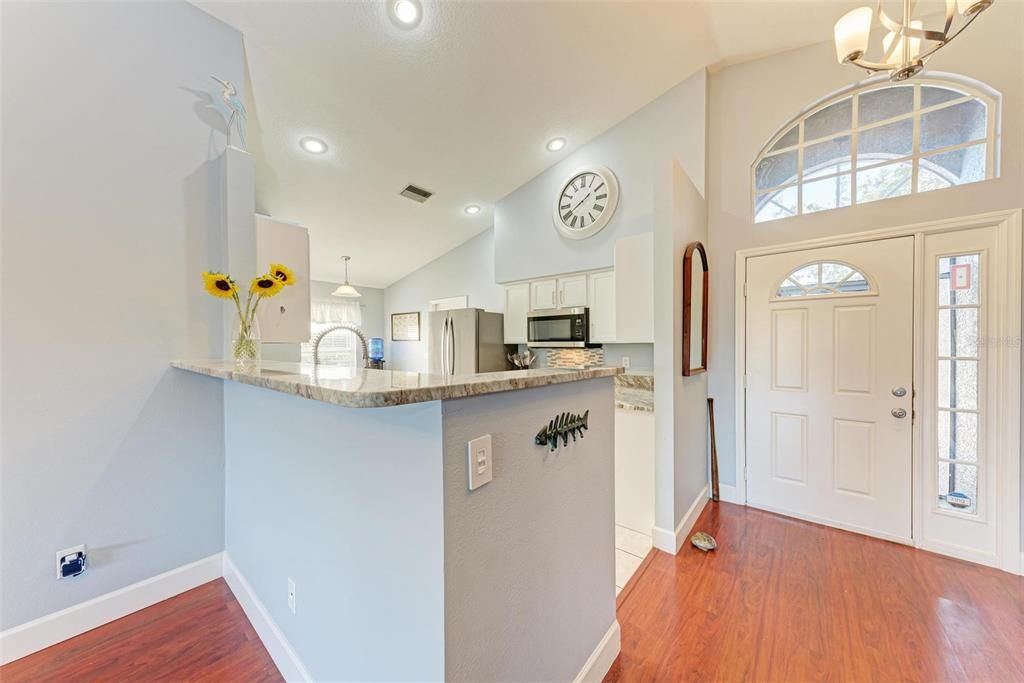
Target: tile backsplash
x,y
575,358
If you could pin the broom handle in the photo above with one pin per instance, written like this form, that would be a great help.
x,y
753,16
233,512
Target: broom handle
x,y
714,451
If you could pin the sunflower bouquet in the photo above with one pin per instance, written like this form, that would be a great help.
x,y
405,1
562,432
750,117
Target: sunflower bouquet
x,y
245,346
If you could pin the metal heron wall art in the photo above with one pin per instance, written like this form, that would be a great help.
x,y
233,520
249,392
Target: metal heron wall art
x,y
237,119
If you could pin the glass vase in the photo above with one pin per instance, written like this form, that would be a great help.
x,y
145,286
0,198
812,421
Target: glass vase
x,y
245,345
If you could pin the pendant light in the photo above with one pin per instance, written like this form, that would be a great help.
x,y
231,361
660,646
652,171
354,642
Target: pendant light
x,y
346,290
906,45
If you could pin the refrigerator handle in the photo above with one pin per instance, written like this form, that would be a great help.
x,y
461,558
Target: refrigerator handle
x,y
451,349
444,346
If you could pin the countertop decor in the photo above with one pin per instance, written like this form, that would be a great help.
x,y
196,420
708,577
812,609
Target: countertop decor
x,y
367,388
245,344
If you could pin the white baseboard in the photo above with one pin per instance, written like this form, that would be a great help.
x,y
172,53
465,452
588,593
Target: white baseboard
x,y
602,658
730,494
281,651
672,541
51,629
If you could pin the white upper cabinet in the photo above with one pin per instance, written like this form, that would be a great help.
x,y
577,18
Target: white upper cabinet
x,y
572,291
621,301
601,301
543,294
284,318
634,289
517,305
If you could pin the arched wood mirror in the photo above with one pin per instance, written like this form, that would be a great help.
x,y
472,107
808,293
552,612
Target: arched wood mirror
x,y
695,311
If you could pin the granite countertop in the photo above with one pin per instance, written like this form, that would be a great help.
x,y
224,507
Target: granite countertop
x,y
635,391
365,388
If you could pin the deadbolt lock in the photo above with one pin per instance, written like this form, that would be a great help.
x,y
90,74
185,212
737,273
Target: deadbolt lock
x,y
899,392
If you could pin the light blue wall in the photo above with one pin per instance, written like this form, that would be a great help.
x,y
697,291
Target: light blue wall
x,y
530,557
527,245
347,502
110,213
465,270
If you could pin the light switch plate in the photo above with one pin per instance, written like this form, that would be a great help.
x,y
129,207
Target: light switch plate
x,y
480,462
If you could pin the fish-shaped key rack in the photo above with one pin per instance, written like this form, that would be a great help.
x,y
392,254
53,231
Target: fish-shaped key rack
x,y
564,426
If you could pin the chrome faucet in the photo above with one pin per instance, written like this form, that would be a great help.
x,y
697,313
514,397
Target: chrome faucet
x,y
334,328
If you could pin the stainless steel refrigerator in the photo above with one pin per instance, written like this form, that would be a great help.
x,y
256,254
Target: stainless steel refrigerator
x,y
466,341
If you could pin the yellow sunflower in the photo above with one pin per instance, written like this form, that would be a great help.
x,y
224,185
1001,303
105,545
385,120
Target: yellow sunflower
x,y
266,286
283,273
219,285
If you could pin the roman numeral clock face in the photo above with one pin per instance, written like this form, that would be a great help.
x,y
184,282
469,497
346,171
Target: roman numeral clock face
x,y
586,203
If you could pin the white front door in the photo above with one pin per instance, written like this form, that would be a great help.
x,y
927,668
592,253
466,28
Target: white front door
x,y
829,385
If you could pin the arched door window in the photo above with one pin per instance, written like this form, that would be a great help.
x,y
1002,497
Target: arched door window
x,y
876,141
823,278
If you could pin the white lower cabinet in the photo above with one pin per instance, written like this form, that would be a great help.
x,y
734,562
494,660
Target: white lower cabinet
x,y
601,302
517,305
634,470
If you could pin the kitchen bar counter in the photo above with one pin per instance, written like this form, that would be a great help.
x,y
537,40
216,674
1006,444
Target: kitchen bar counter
x,y
387,488
635,391
363,388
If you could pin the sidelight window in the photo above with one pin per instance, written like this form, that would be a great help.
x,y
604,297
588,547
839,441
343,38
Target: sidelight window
x,y
958,382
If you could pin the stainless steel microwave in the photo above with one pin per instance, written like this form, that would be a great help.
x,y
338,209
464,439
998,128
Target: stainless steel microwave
x,y
558,328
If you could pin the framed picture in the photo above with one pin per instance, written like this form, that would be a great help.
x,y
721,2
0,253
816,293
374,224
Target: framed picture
x,y
695,310
405,326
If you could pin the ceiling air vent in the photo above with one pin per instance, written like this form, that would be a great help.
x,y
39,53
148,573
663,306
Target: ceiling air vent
x,y
417,194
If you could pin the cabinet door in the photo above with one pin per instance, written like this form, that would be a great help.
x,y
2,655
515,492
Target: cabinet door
x,y
517,305
285,318
572,291
634,286
601,300
543,294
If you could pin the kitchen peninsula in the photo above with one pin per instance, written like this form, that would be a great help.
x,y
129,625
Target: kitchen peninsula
x,y
353,486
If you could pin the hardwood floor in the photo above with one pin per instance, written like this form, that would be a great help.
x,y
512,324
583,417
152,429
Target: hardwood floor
x,y
785,600
200,635
780,600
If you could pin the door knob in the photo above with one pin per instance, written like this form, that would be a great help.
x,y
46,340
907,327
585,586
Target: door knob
x,y
898,412
899,392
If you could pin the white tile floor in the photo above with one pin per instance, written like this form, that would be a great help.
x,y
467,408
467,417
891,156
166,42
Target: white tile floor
x,y
630,549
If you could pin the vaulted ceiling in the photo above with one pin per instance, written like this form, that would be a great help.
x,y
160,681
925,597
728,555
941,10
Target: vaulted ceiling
x,y
462,105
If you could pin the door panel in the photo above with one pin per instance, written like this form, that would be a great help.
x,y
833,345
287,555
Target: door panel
x,y
822,358
463,340
543,294
572,291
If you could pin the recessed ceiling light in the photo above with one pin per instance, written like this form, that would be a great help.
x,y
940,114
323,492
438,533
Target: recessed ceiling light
x,y
555,144
472,209
406,12
313,145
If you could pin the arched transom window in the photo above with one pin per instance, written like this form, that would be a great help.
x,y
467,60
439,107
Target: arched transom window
x,y
823,278
878,141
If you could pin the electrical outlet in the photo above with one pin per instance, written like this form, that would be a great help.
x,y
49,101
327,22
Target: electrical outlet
x,y
625,361
480,462
291,595
70,561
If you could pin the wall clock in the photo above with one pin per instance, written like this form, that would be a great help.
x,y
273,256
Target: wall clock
x,y
586,202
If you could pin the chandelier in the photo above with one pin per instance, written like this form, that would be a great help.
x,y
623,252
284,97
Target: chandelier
x,y
907,44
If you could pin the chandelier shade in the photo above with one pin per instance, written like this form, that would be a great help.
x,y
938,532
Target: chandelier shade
x,y
906,43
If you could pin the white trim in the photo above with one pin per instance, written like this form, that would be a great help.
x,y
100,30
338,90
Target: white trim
x,y
51,629
834,524
669,541
280,650
602,658
1009,310
730,494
